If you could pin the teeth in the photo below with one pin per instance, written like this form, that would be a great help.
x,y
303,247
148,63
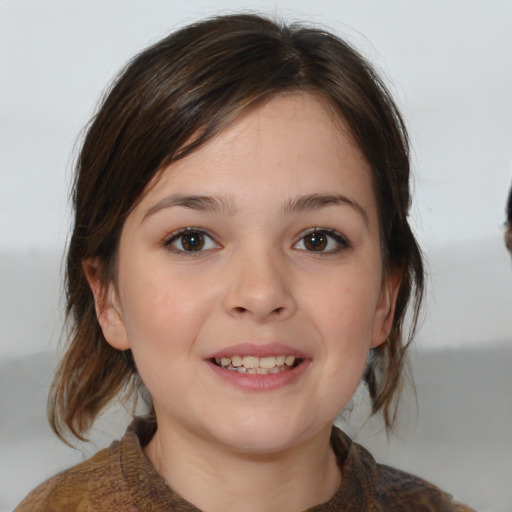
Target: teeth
x,y
257,365
236,361
250,362
280,360
267,362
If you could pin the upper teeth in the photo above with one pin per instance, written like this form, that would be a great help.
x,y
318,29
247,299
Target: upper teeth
x,y
253,362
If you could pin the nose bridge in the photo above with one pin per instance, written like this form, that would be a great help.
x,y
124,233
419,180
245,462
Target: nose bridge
x,y
258,283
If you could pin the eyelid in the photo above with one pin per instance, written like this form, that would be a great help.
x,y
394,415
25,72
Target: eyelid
x,y
342,241
172,237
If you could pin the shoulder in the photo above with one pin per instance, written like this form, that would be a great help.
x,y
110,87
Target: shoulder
x,y
97,480
382,487
399,491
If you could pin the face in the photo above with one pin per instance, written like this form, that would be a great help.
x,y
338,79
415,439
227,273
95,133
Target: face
x,y
250,285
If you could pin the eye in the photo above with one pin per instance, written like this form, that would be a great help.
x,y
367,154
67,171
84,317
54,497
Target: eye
x,y
190,240
322,241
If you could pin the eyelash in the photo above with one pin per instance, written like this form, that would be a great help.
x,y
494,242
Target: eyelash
x,y
175,236
340,240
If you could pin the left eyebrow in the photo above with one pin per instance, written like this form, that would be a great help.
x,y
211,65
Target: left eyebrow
x,y
318,201
194,202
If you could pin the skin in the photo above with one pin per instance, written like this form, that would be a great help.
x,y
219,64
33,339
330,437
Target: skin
x,y
221,444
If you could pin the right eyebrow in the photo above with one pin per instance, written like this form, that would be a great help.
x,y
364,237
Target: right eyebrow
x,y
194,202
317,201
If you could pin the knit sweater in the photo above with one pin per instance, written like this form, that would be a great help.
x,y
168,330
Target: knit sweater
x,y
121,478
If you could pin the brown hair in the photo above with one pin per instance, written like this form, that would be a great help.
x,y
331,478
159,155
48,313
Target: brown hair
x,y
197,80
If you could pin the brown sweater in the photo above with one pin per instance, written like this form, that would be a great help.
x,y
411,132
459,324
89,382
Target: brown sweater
x,y
121,478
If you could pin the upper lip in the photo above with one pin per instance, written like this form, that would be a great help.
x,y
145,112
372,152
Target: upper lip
x,y
258,350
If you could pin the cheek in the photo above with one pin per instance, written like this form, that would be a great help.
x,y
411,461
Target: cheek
x,y
344,318
164,313
346,305
347,324
162,328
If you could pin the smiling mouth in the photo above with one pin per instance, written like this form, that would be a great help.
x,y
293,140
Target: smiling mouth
x,y
257,365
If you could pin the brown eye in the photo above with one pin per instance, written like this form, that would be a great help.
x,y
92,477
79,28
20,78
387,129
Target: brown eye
x,y
316,241
323,241
192,241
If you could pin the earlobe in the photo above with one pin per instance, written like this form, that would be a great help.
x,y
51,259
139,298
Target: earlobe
x,y
106,304
385,311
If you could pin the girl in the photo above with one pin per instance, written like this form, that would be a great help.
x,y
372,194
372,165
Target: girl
x,y
241,254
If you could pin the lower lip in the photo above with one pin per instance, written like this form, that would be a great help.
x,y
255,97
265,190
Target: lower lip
x,y
255,382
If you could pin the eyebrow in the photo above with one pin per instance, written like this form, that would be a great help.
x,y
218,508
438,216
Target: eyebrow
x,y
225,206
202,203
318,201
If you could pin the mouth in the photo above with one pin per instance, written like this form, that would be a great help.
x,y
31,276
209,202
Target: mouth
x,y
254,365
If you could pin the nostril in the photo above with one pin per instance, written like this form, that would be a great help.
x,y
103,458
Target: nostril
x,y
277,311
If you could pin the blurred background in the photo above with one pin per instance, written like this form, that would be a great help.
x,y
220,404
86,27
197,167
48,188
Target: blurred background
x,y
449,64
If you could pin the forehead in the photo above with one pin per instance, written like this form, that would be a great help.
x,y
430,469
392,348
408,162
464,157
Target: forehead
x,y
293,143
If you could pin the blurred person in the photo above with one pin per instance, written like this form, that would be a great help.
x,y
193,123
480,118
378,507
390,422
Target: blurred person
x,y
508,223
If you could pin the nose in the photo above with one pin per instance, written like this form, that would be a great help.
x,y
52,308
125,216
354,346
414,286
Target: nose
x,y
258,287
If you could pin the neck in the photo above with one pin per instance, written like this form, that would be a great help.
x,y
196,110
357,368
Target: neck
x,y
216,479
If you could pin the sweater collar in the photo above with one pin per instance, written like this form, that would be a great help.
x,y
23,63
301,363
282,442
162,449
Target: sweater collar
x,y
149,489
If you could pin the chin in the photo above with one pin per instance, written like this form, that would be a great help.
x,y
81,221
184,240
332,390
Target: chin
x,y
258,435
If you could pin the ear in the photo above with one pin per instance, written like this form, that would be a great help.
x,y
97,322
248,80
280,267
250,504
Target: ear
x,y
106,303
385,310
